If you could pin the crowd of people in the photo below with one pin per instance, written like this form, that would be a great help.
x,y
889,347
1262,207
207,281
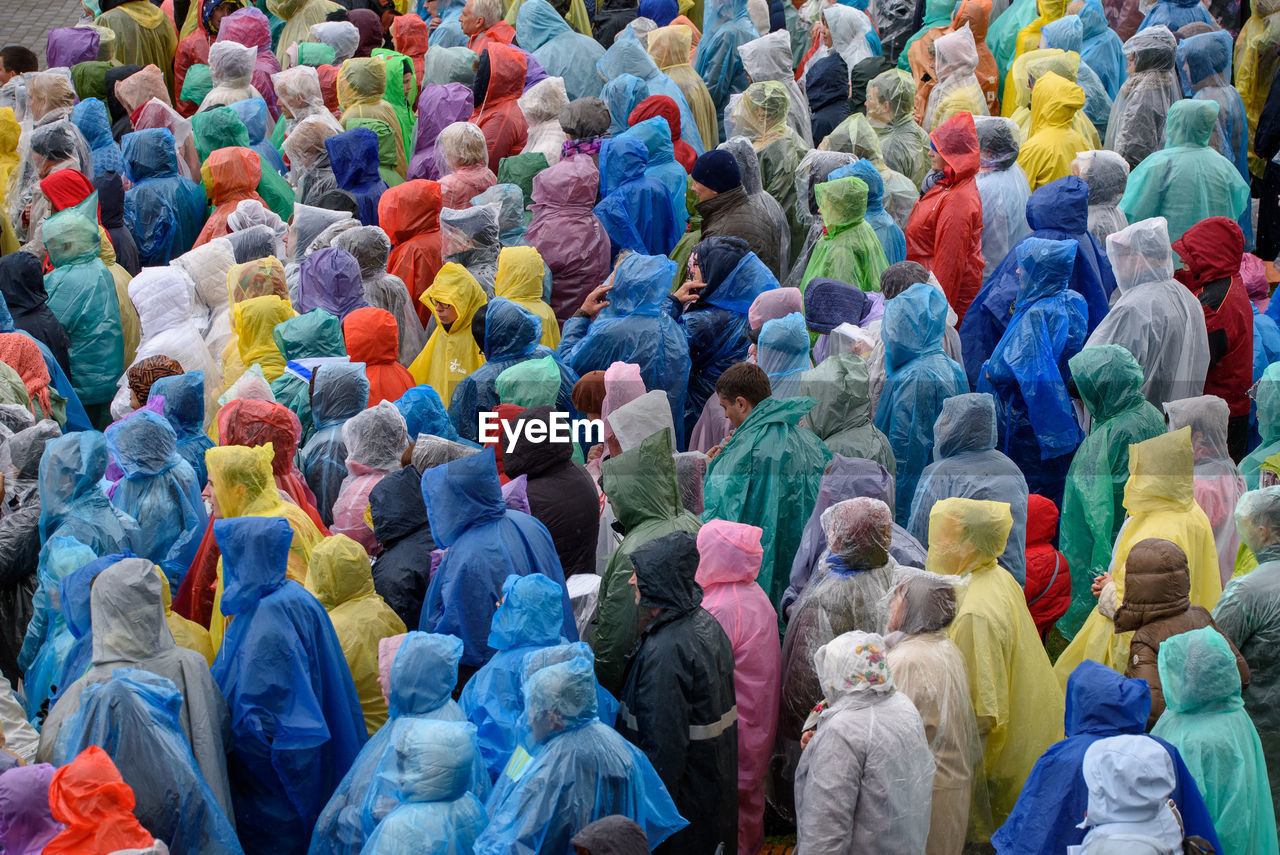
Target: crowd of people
x,y
922,495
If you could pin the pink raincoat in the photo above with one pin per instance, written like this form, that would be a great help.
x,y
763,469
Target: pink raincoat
x,y
567,234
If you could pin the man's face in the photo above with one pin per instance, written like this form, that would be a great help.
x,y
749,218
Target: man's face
x,y
936,160
5,74
221,11
737,410
471,22
703,192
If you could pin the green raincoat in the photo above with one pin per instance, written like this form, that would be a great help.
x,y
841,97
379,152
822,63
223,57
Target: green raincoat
x,y
398,66
842,416
767,475
520,170
1110,383
532,383
642,489
221,128
317,333
848,250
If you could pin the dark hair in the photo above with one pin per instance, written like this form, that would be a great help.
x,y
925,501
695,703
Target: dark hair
x,y
744,380
18,59
901,276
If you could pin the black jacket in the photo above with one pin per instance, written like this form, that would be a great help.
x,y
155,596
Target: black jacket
x,y
561,494
22,284
678,701
827,86
612,17
1266,144
111,206
733,214
402,571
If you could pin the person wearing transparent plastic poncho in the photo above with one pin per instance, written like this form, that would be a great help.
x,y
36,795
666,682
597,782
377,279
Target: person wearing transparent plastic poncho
x,y
856,136
1137,124
1002,186
958,89
1107,175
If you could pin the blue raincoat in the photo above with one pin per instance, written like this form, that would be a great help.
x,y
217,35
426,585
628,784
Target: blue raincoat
x,y
1266,350
634,328
74,595
48,640
253,113
420,683
581,769
486,543
636,209
655,133
72,503
448,33
162,210
339,391
627,56
91,119
1027,372
436,815
889,233
511,335
77,418
134,718
716,325
1102,50
726,26
544,33
184,408
1100,704
1204,63
424,413
782,350
296,720
967,465
353,155
1176,14
160,489
621,95
918,378
1058,211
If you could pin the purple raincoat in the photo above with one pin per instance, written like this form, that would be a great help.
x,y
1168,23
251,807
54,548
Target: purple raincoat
x,y
26,825
573,243
330,279
438,107
70,45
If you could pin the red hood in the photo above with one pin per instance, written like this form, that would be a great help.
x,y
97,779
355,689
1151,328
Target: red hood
x,y
65,188
657,105
1212,249
1042,519
410,209
507,67
253,423
956,140
371,336
409,35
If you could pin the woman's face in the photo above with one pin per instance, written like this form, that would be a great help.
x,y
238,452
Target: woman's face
x,y
896,609
936,160
445,313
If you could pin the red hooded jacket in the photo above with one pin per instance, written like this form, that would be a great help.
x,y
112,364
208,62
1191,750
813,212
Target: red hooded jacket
x,y
372,337
944,232
500,33
500,116
1212,249
410,215
666,107
1048,587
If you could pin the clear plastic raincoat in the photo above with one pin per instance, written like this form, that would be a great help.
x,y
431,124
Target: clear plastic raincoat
x,y
841,418
769,58
671,48
1206,722
184,407
1153,316
890,99
1106,173
48,639
1204,62
72,503
375,441
338,393
967,465
1137,124
1017,702
919,376
958,89
1002,186
371,248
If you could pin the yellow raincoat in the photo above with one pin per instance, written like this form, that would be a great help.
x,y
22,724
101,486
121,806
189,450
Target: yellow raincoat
x,y
1160,500
10,131
254,321
244,486
1037,64
671,48
362,85
144,36
1047,154
187,633
342,581
299,16
450,354
1029,36
1256,59
1018,704
519,279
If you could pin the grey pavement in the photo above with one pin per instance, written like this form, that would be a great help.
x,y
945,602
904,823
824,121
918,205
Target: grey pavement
x,y
28,22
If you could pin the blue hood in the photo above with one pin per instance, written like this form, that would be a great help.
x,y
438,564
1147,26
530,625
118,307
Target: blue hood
x,y
461,494
748,279
340,390
353,155
424,413
183,402
1045,266
74,592
143,444
866,172
1093,18
423,673
640,285
966,424
255,555
1101,701
537,23
510,331
655,133
90,117
1061,204
1066,33
626,56
914,323
531,614
253,112
622,159
1205,55
621,95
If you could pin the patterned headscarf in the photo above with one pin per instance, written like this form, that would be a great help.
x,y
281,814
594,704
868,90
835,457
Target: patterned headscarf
x,y
21,353
142,374
853,662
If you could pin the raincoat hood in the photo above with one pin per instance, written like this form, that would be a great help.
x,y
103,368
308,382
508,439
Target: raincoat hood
x,y
966,535
1203,56
728,552
362,81
1190,123
842,388
232,466
533,458
461,494
414,209
1109,380
626,56
339,391
1211,249
842,204
1042,519
455,285
967,423
127,613
640,285
507,67
956,140
666,570
183,402
768,57
1130,778
641,483
1055,102
433,761
149,154
914,324
827,81
330,279
622,159
255,551
1102,702
71,467
531,613
89,792
315,334
1160,474
955,54
143,444
570,183
1066,33
1152,49
537,23
1198,672
339,572
1062,205
734,276
423,673
1045,267
353,155
26,823
235,172
22,282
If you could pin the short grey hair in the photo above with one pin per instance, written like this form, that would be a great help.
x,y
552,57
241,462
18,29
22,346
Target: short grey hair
x,y
490,10
1256,510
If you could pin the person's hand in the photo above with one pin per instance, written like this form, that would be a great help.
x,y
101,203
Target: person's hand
x,y
805,737
1099,583
714,450
596,301
689,291
595,452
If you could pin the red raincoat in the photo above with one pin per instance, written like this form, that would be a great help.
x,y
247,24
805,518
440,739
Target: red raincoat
x,y
500,117
253,423
90,798
234,174
1212,250
500,33
666,107
409,35
372,337
944,232
1048,587
410,215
